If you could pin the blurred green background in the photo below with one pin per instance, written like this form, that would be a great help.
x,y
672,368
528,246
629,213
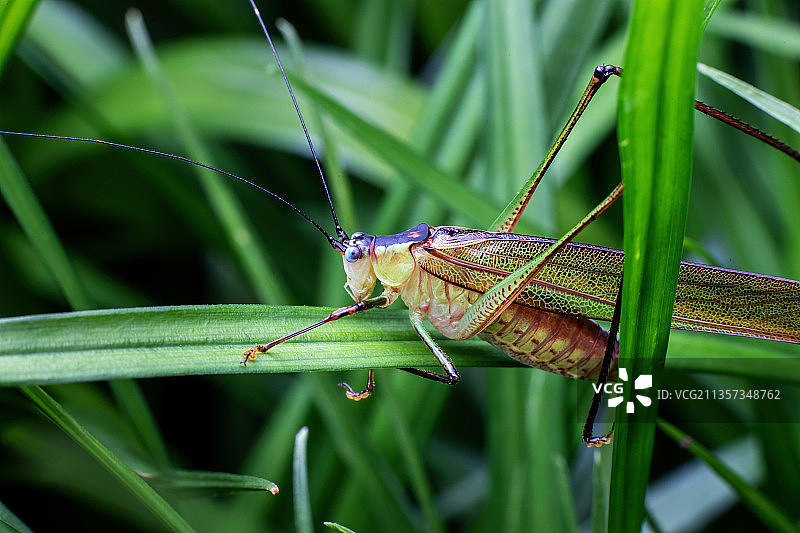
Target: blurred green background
x,y
501,449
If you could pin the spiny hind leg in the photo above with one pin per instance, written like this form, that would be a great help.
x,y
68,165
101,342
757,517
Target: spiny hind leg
x,y
510,216
588,427
488,308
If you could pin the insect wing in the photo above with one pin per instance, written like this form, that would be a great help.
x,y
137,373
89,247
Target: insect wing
x,y
583,280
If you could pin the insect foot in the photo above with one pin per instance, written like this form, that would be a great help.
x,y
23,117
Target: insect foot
x,y
600,441
250,355
358,396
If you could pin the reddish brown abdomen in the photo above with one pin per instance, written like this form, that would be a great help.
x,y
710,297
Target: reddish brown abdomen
x,y
567,345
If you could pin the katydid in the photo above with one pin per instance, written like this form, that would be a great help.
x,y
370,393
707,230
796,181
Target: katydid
x,y
535,298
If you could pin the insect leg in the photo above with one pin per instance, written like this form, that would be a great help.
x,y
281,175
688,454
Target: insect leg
x,y
358,307
452,376
510,216
491,304
588,427
356,396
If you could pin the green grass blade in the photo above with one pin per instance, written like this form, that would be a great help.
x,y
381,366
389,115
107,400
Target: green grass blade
x,y
518,122
437,122
708,11
10,523
505,409
170,341
340,190
303,521
210,339
130,479
193,483
516,133
563,495
546,506
786,113
14,18
338,527
601,481
655,138
382,33
770,514
80,51
271,449
419,408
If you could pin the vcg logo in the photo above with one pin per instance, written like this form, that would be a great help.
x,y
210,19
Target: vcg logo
x,y
645,381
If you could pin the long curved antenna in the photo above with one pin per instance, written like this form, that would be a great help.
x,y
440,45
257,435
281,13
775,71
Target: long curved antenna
x,y
339,231
336,244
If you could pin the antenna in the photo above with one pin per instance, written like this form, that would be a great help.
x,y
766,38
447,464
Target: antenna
x,y
336,244
339,231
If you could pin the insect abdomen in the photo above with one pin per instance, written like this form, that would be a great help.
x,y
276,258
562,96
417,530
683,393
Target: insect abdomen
x,y
566,345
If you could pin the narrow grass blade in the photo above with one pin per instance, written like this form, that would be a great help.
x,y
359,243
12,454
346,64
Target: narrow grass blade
x,y
708,11
517,115
382,33
563,495
338,527
655,137
601,481
210,339
761,506
303,521
773,34
271,450
10,523
505,408
132,481
449,99
171,341
14,18
193,483
419,409
546,443
777,108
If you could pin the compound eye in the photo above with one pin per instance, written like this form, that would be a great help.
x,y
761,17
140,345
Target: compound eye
x,y
352,254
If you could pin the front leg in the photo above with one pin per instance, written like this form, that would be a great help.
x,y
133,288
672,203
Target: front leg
x,y
450,376
379,301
